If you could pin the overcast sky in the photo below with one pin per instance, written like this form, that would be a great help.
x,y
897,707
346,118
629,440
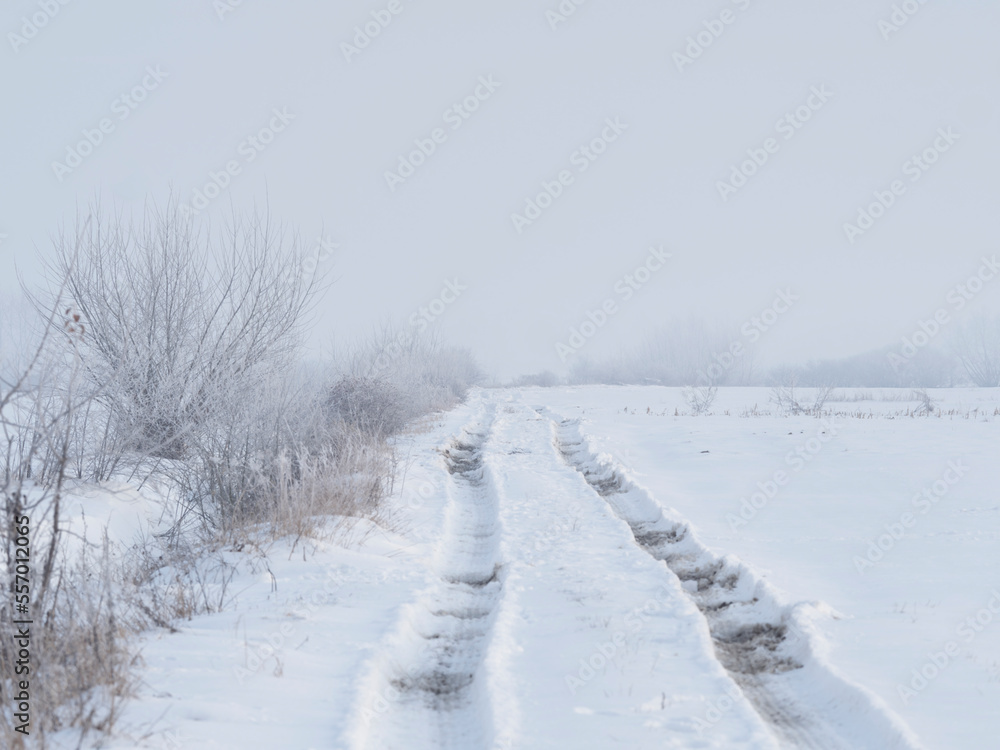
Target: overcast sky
x,y
832,100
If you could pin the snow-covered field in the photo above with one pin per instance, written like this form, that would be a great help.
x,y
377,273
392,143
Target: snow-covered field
x,y
593,567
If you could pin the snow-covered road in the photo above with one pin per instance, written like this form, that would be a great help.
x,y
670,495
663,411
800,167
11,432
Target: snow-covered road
x,y
571,612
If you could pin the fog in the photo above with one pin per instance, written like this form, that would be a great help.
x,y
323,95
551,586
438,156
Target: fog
x,y
694,160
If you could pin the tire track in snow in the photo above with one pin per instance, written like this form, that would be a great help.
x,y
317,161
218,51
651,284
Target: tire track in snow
x,y
768,648
427,690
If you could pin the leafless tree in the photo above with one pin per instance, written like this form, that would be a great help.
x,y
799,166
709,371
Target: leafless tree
x,y
184,333
976,344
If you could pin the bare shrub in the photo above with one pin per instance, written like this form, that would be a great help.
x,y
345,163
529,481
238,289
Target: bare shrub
x,y
81,651
80,656
429,375
699,399
177,323
926,403
188,341
169,578
348,482
788,402
372,406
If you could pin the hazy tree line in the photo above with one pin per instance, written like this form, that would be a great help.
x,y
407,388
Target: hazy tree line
x,y
695,353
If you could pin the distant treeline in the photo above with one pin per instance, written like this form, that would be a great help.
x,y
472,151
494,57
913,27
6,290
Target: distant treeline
x,y
695,353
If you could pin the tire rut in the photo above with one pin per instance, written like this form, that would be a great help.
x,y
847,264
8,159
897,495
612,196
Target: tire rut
x,y
756,640
432,673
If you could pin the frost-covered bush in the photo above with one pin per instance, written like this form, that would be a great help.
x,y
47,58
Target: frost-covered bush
x,y
375,407
426,374
176,324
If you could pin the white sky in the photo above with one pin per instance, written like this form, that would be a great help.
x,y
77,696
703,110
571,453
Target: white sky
x,y
654,185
